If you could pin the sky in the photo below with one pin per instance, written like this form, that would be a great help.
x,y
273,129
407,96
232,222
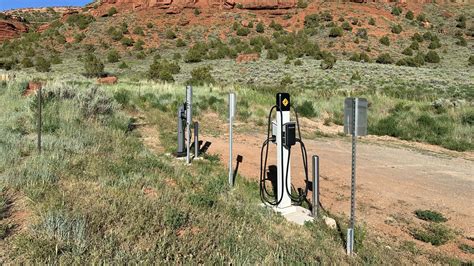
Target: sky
x,y
11,4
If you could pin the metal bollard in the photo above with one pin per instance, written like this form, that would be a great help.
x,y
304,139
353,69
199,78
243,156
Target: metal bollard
x,y
315,186
196,140
189,119
232,107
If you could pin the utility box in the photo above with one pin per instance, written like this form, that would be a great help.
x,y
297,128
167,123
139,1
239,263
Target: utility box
x,y
355,109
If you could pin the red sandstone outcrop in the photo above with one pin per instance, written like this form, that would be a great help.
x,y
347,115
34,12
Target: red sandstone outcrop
x,y
108,80
11,29
243,58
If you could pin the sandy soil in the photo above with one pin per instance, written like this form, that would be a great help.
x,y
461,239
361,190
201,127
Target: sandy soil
x,y
392,182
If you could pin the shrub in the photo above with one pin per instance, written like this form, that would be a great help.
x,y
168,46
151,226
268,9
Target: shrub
x,y
141,55
126,41
461,41
42,65
201,76
298,62
432,57
260,28
306,109
138,31
384,59
431,216
93,66
80,20
372,21
196,54
79,37
434,44
346,26
123,65
421,17
409,15
272,54
112,11
113,56
336,32
326,16
241,31
286,80
149,25
180,43
419,59
436,234
364,57
138,46
163,70
55,59
115,34
302,4
311,21
26,62
461,22
414,45
276,26
397,29
362,33
94,102
170,34
197,12
174,218
471,60
385,40
408,51
396,11
329,60
417,37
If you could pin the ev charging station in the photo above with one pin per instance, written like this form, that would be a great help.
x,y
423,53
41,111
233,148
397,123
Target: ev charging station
x,y
185,125
284,133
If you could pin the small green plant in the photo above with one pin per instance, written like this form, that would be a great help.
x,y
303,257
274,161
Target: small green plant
x,y
408,51
93,66
163,70
384,58
127,41
138,31
149,25
461,22
436,234
336,32
175,218
306,109
414,45
409,15
346,26
112,11
397,29
466,248
471,60
26,62
302,4
242,31
372,21
431,216
42,65
396,11
123,65
272,54
180,43
286,80
385,40
329,60
260,28
461,41
170,34
113,56
432,57
362,33
276,26
197,12
201,76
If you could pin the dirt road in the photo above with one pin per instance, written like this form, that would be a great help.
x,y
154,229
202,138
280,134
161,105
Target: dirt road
x,y
392,182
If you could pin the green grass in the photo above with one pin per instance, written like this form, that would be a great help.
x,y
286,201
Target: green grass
x,y
434,233
466,248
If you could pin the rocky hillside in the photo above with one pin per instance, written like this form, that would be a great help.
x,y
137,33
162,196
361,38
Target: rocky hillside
x,y
11,27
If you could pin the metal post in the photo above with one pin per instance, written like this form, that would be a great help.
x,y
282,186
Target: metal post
x,y
315,186
196,140
189,97
350,231
181,133
40,122
232,106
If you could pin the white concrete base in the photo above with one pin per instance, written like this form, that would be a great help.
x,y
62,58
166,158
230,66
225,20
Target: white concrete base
x,y
294,214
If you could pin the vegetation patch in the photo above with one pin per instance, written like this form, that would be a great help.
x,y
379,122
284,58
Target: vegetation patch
x,y
431,216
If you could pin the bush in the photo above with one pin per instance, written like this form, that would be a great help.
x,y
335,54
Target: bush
x,y
298,63
94,102
163,70
93,66
396,11
434,44
197,12
80,20
414,45
329,60
170,34
302,4
138,46
311,21
260,28
180,43
417,37
461,22
372,21
138,31
123,65
346,26
112,11
126,41
113,56
201,76
471,60
461,41
79,37
326,16
432,57
306,109
362,33
409,15
384,59
42,65
385,40
408,51
397,29
115,34
26,62
431,216
272,54
421,17
149,25
276,26
196,54
241,31
436,234
336,32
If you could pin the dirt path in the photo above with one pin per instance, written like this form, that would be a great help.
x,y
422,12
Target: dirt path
x,y
392,182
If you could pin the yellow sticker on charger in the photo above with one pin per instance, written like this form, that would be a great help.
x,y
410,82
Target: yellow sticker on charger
x,y
285,102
